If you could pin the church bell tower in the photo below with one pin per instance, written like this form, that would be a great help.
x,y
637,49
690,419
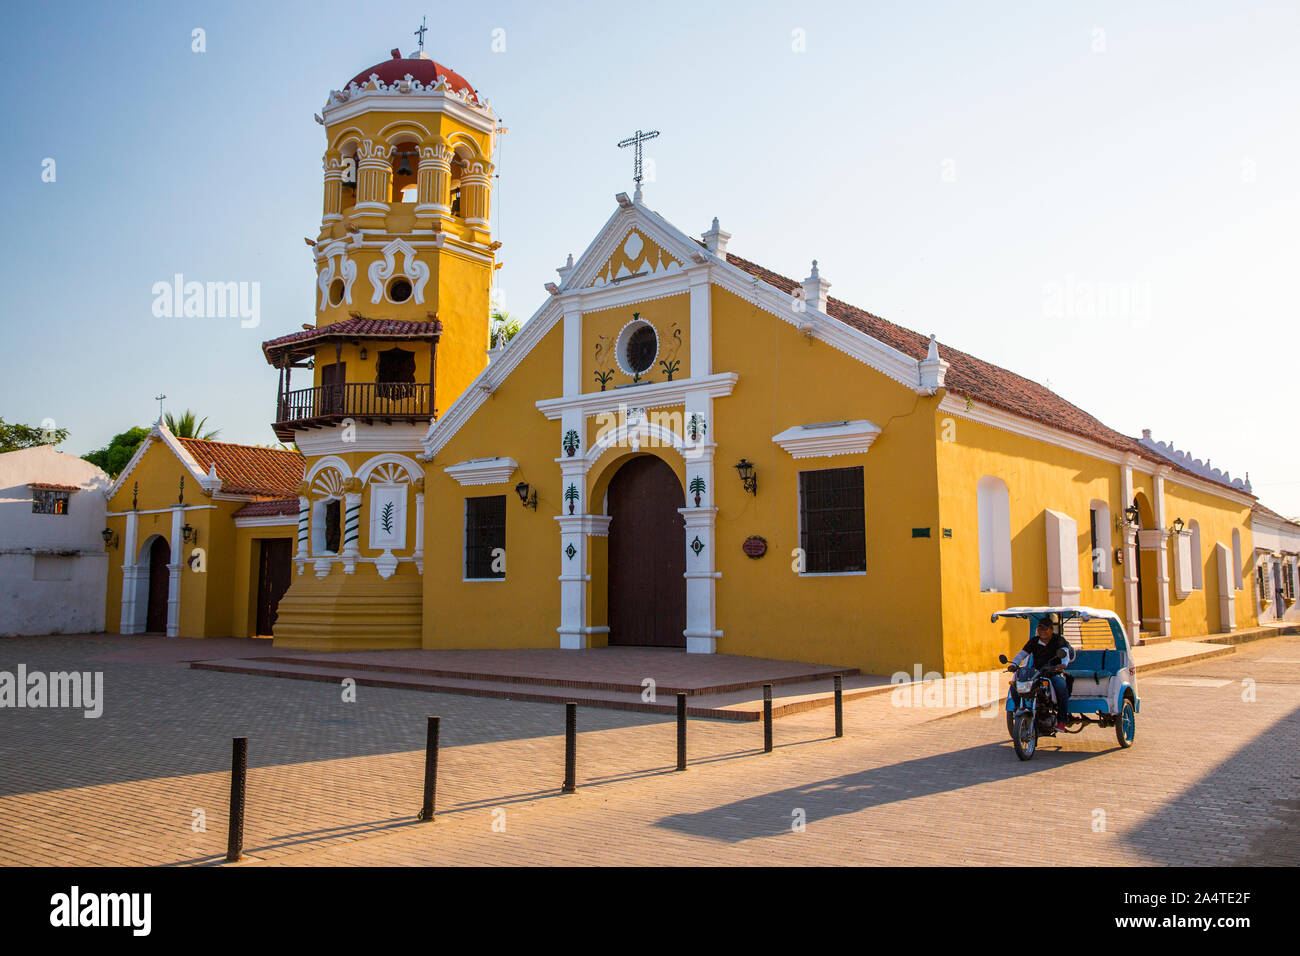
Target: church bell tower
x,y
404,263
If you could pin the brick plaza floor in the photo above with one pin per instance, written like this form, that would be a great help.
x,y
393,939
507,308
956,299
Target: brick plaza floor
x,y
1212,778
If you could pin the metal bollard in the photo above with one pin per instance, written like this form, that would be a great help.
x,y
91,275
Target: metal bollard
x,y
681,731
430,769
839,706
238,791
570,748
767,718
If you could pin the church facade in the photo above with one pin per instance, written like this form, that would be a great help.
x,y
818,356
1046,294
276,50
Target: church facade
x,y
681,448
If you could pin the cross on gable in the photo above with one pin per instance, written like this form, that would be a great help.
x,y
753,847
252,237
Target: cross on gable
x,y
636,140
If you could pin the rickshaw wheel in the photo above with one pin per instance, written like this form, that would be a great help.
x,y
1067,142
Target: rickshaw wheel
x,y
1126,724
1024,736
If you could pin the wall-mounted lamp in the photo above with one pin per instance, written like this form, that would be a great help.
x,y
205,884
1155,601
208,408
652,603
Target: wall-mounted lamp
x,y
526,495
1179,525
748,479
110,538
190,533
363,353
1132,514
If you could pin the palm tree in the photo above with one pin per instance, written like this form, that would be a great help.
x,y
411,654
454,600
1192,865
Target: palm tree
x,y
190,425
503,328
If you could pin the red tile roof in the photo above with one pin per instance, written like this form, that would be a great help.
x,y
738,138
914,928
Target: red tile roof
x,y
426,71
248,469
269,506
971,377
357,327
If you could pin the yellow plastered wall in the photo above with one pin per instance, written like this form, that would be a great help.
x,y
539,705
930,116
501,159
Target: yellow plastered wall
x,y
206,595
600,333
1199,612
523,610
1038,476
244,581
884,621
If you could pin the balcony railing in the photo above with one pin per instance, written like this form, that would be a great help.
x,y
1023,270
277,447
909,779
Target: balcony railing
x,y
368,402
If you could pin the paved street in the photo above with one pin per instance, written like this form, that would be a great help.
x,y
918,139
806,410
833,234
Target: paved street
x,y
1212,778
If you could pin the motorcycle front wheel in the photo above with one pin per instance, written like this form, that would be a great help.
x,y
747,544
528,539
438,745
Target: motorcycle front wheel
x,y
1024,736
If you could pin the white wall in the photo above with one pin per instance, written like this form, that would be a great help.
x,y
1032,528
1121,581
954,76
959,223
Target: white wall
x,y
53,568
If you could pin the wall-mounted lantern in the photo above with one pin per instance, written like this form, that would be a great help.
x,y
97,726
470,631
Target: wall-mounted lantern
x,y
1179,525
1132,514
748,479
190,533
110,538
527,495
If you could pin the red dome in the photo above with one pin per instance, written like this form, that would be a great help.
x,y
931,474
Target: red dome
x,y
426,71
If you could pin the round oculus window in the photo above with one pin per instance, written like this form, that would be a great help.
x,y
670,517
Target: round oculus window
x,y
399,290
638,348
336,292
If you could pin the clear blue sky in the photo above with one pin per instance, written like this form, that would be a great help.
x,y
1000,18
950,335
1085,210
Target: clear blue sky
x,y
949,164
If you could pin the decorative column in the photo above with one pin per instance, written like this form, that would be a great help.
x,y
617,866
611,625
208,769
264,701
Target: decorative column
x,y
1162,555
304,526
373,179
698,449
333,210
433,184
475,189
174,571
351,524
418,554
1130,561
130,576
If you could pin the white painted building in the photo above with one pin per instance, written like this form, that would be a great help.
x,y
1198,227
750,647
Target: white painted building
x,y
53,564
1277,565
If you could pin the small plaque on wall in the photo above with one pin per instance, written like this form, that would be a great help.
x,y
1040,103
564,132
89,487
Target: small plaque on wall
x,y
755,546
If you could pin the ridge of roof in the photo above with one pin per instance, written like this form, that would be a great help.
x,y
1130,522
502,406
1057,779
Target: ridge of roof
x,y
976,379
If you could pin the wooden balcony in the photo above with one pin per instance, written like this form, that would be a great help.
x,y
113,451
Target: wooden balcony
x,y
366,403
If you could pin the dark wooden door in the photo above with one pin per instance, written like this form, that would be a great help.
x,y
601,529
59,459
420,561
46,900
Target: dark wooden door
x,y
273,576
647,555
332,379
160,554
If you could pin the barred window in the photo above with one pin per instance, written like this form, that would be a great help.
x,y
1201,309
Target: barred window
x,y
49,501
485,532
832,520
332,515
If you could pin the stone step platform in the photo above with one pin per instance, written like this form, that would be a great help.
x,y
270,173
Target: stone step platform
x,y
730,691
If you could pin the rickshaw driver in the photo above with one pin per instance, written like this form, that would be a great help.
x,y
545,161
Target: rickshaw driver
x,y
1043,649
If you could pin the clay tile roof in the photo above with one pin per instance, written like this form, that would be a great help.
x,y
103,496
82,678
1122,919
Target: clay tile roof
x,y
48,486
270,506
971,377
247,469
357,327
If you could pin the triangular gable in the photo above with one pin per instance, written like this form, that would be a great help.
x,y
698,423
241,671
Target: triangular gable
x,y
662,245
636,256
160,433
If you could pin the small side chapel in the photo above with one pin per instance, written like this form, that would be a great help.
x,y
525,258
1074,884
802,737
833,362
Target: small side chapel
x,y
682,448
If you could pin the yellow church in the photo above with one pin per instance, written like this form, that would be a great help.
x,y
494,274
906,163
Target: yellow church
x,y
680,448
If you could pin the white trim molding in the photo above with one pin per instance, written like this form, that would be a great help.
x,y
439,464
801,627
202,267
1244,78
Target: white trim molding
x,y
483,471
828,438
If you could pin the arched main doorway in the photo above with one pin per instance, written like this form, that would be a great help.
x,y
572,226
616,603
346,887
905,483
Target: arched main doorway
x,y
647,555
160,555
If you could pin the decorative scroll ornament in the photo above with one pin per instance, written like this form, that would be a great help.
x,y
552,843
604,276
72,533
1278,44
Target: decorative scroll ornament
x,y
414,270
338,265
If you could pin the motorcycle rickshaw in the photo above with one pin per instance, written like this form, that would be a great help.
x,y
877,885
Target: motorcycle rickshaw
x,y
1101,678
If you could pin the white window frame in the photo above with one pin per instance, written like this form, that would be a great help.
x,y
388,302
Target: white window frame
x,y
993,515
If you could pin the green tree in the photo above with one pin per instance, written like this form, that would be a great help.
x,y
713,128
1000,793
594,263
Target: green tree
x,y
114,456
503,328
16,436
190,425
